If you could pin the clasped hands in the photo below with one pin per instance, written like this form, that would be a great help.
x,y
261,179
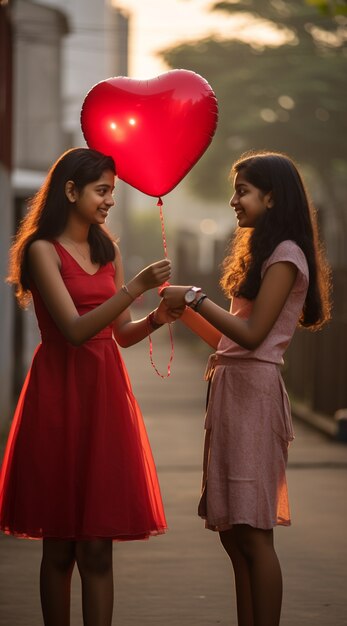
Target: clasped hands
x,y
172,305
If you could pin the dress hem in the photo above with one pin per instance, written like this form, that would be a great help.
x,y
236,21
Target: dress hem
x,y
229,525
35,536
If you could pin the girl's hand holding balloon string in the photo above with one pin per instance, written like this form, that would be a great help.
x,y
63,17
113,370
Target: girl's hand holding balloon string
x,y
152,276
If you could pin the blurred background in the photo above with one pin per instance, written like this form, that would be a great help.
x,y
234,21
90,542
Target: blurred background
x,y
279,71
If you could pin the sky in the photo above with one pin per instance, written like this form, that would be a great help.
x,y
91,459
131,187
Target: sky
x,y
158,24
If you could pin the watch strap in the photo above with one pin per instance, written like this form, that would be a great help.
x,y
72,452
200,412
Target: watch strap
x,y
196,304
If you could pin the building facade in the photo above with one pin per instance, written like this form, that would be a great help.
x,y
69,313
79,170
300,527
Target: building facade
x,y
51,54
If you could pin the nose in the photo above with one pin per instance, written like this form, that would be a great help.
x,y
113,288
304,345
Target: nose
x,y
109,200
233,200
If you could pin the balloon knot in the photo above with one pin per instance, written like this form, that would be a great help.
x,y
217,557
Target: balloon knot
x,y
162,287
160,202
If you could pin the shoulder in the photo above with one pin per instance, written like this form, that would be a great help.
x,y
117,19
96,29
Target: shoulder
x,y
116,249
117,262
288,252
42,249
41,245
118,256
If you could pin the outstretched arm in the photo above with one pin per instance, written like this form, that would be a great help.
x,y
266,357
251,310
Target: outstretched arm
x,y
44,264
128,332
275,288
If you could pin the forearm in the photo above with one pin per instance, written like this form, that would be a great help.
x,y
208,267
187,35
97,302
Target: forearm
x,y
84,327
275,288
201,327
131,332
233,327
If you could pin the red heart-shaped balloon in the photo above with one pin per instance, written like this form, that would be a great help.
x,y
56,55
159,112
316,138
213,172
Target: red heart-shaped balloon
x,y
155,129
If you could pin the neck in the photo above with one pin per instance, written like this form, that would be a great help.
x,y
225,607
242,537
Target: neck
x,y
76,232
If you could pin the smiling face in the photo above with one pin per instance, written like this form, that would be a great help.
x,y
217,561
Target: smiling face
x,y
92,203
248,201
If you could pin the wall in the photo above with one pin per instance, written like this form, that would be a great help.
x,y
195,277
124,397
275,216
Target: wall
x,y
33,118
6,362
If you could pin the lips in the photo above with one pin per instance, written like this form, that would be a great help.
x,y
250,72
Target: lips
x,y
103,212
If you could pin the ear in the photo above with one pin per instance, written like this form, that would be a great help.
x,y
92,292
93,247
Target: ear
x,y
269,200
70,191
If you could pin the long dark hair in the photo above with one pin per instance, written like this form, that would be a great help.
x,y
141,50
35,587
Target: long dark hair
x,y
48,212
293,217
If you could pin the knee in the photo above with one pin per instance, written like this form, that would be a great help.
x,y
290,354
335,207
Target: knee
x,y
234,546
246,548
252,542
94,557
59,554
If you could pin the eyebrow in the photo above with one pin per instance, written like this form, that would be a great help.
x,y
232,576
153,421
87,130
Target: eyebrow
x,y
245,184
104,186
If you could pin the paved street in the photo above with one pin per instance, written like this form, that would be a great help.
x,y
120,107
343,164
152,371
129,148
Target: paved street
x,y
183,578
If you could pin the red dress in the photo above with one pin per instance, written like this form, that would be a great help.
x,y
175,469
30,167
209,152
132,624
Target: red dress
x,y
78,464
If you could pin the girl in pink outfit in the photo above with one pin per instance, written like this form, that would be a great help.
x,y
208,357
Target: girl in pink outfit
x,y
277,278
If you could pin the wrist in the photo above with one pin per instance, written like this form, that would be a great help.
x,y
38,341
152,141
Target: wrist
x,y
125,289
152,321
134,288
198,301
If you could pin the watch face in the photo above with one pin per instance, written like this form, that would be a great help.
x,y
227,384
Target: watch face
x,y
189,296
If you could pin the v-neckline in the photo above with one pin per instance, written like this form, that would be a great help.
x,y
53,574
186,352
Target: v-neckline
x,y
77,263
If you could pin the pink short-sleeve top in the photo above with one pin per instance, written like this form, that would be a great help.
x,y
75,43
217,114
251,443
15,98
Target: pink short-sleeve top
x,y
279,337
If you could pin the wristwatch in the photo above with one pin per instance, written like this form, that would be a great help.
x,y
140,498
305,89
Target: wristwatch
x,y
190,295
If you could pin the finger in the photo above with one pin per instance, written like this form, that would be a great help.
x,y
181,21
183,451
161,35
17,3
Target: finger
x,y
166,269
163,263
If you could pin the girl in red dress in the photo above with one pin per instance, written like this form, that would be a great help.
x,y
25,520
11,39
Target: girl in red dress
x,y
78,470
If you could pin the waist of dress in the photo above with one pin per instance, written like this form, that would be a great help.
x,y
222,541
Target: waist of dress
x,y
218,359
53,335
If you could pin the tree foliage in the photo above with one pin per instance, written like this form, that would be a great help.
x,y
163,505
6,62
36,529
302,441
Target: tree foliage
x,y
290,98
330,7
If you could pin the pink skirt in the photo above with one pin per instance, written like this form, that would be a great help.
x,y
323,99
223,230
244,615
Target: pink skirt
x,y
248,430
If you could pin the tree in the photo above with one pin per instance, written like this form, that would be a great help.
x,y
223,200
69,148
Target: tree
x,y
330,7
289,98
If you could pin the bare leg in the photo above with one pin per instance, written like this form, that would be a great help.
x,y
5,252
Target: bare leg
x,y
94,560
265,573
242,579
58,559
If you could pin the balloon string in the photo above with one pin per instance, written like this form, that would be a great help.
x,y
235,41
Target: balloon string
x,y
151,353
160,205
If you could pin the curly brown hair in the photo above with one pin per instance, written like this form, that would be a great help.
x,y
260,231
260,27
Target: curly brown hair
x,y
292,217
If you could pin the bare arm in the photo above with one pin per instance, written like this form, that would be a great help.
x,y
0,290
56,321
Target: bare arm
x,y
44,265
128,332
273,293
